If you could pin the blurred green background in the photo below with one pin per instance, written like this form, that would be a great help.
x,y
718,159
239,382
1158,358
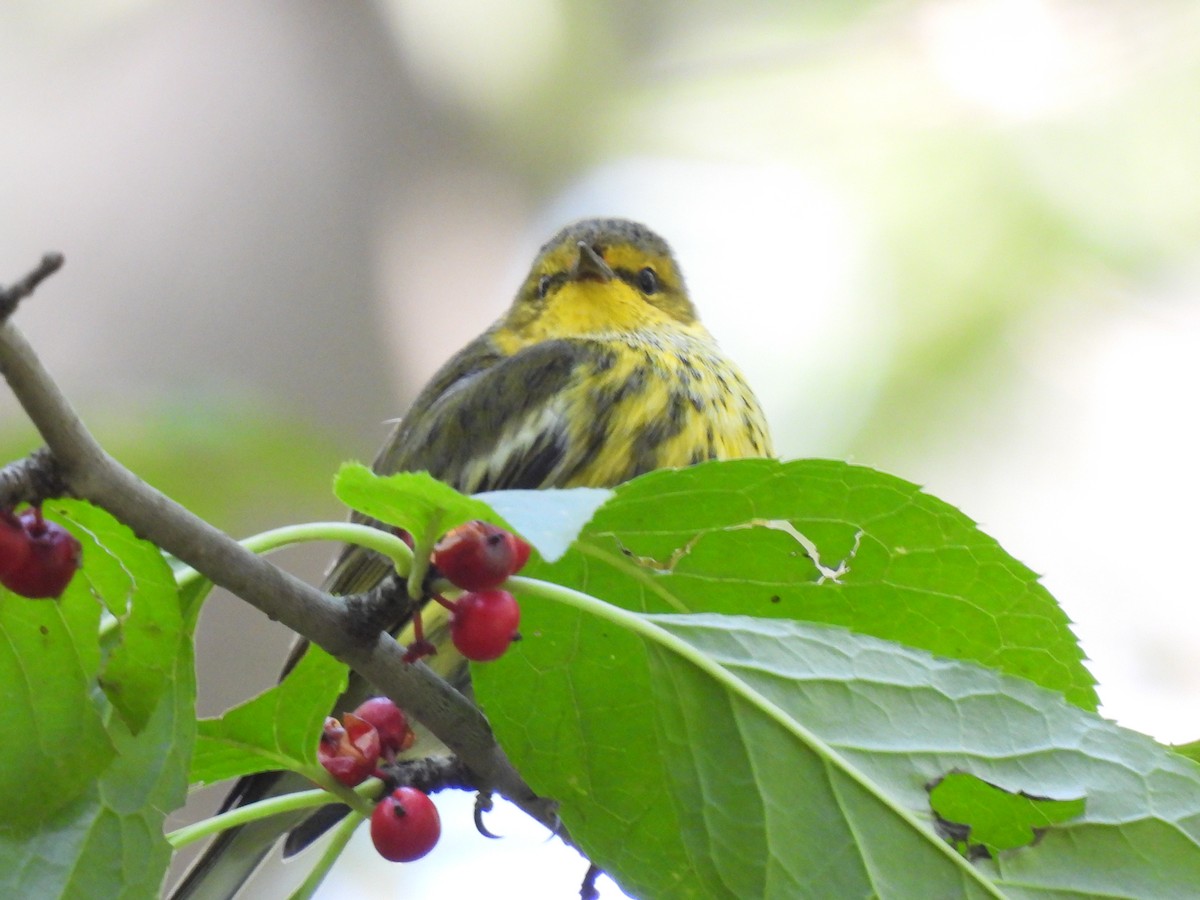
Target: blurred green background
x,y
958,241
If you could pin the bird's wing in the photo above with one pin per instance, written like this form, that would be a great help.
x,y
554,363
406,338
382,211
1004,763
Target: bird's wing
x,y
485,423
479,425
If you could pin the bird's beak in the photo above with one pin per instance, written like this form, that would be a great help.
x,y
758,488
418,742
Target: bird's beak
x,y
590,265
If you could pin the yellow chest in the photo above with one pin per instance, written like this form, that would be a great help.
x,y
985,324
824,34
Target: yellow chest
x,y
642,401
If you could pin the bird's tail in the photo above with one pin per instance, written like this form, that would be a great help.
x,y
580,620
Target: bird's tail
x,y
229,861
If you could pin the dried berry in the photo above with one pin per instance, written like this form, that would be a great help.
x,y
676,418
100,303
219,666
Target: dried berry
x,y
350,752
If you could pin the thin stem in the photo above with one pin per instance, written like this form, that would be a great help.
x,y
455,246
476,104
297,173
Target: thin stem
x,y
350,796
372,538
422,550
341,837
630,621
252,812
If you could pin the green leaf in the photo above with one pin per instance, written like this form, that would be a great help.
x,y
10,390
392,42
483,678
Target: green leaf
x,y
414,501
108,841
52,730
1191,751
192,597
427,509
137,587
981,818
85,791
823,541
733,756
549,519
278,729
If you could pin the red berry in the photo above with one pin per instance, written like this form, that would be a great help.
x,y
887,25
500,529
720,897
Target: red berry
x,y
484,623
349,753
51,559
478,556
395,734
14,544
405,825
521,551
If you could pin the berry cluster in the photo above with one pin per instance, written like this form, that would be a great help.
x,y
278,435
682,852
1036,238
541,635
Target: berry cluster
x,y
476,557
350,749
405,824
479,557
37,558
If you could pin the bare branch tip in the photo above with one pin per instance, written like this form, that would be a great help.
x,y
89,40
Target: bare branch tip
x,y
13,294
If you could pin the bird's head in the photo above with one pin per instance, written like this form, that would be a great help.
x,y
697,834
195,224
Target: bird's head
x,y
597,278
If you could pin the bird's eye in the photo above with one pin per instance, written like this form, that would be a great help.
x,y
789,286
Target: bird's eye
x,y
543,286
647,281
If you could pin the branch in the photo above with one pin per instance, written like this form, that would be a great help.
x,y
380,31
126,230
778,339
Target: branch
x,y
431,774
15,293
31,480
75,463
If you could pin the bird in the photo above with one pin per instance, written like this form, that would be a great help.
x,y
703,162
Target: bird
x,y
599,371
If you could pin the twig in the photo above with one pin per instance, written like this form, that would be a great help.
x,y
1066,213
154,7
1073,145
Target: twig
x,y
15,293
87,471
430,774
588,889
372,611
31,480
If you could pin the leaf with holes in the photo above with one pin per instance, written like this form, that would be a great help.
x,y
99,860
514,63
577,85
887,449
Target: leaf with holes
x,y
823,541
981,818
730,756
